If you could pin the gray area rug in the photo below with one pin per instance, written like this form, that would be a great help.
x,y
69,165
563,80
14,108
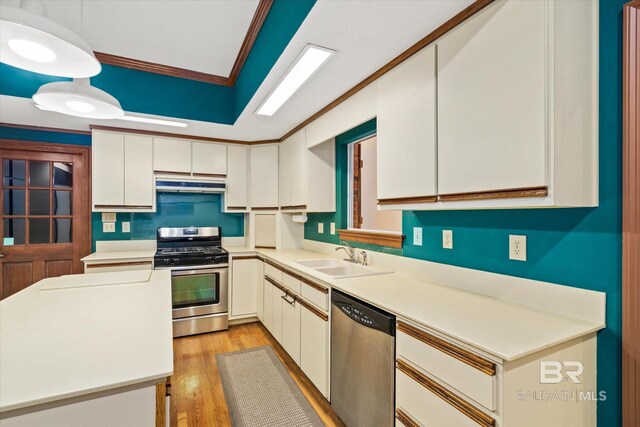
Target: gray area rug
x,y
260,392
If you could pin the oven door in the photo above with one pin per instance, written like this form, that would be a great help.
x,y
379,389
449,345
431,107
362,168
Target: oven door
x,y
199,291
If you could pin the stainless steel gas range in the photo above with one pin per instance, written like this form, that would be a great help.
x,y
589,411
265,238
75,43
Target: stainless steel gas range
x,y
199,277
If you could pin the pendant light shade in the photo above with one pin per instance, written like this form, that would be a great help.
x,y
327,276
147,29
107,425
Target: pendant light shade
x,y
31,41
78,98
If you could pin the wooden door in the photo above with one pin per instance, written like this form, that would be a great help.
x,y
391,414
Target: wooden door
x,y
46,225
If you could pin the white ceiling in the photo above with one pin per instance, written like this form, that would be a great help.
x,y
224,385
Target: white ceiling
x,y
197,35
366,33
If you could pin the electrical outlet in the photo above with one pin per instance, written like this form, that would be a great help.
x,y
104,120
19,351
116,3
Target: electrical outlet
x,y
517,247
126,227
108,217
332,228
321,227
417,236
447,239
108,227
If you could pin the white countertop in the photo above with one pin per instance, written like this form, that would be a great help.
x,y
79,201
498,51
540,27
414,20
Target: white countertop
x,y
87,337
118,255
500,328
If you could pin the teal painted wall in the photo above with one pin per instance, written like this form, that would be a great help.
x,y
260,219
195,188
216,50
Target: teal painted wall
x,y
149,93
574,247
173,209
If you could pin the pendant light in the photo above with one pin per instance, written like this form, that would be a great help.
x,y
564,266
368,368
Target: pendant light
x,y
33,42
78,98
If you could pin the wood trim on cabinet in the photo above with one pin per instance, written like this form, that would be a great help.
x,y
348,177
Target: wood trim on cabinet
x,y
210,175
508,193
407,200
465,356
364,236
265,247
457,402
123,207
161,404
159,172
631,216
277,285
151,67
405,418
324,316
118,264
264,208
236,208
43,128
294,207
458,19
297,276
314,285
244,257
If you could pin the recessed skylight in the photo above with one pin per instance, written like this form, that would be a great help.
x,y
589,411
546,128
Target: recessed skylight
x,y
153,121
306,64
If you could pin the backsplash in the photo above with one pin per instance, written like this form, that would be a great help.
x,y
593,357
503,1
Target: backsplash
x,y
173,210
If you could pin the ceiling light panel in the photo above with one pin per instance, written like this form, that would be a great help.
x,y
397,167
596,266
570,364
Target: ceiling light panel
x,y
306,64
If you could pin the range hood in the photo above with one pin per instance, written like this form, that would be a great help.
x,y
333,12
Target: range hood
x,y
184,185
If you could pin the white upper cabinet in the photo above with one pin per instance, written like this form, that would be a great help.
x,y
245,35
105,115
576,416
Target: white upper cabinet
x,y
236,198
209,159
406,128
517,107
138,171
171,155
307,175
264,176
122,172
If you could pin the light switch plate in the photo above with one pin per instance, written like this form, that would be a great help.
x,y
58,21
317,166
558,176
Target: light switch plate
x,y
108,217
332,228
321,227
417,236
126,227
447,239
108,227
517,247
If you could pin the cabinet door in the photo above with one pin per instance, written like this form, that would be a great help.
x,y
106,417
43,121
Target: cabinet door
x,y
298,169
139,187
491,100
268,304
171,156
243,287
209,159
264,176
285,171
276,307
406,129
291,328
260,291
314,349
236,193
107,155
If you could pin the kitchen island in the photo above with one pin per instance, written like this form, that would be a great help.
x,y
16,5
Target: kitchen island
x,y
86,350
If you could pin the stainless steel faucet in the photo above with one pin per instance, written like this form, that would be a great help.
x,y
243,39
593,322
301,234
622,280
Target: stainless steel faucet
x,y
349,250
364,257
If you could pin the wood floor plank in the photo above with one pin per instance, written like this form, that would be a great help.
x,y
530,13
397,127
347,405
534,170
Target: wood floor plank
x,y
197,398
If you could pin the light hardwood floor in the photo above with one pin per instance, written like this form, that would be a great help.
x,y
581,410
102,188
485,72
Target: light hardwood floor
x,y
197,399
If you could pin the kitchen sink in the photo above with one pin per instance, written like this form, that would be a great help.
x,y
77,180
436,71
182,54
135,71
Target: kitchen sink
x,y
322,262
338,269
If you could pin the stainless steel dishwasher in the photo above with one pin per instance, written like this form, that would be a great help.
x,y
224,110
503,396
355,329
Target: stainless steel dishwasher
x,y
362,362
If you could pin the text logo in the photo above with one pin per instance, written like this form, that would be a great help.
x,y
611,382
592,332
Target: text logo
x,y
554,372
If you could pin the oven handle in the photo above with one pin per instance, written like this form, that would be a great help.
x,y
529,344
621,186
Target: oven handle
x,y
195,267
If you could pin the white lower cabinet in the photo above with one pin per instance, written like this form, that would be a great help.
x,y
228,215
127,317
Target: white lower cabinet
x,y
246,279
299,323
291,327
260,292
314,348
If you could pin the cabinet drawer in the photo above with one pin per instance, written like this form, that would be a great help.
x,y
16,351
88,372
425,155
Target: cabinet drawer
x,y
274,273
431,404
466,372
316,294
291,282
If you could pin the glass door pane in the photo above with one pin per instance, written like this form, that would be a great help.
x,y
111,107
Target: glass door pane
x,y
195,289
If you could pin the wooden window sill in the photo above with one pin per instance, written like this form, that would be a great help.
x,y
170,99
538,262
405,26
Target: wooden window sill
x,y
388,239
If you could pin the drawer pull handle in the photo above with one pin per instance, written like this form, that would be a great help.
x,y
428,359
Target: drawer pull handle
x,y
460,404
293,299
461,354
